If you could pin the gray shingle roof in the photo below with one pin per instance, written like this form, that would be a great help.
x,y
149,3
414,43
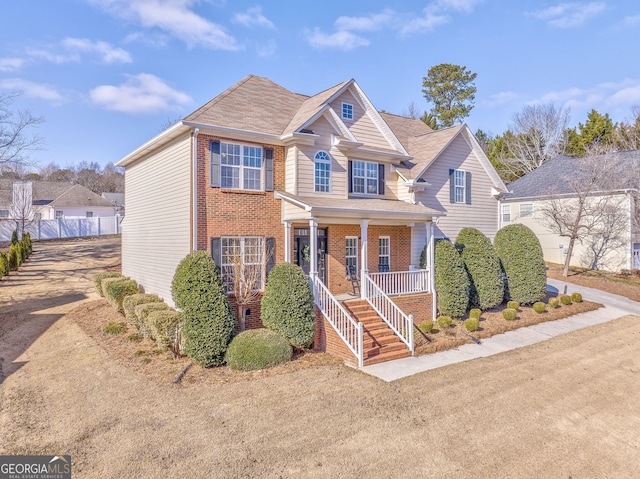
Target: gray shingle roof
x,y
553,177
55,194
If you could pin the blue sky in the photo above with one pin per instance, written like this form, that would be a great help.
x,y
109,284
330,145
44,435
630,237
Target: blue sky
x,y
108,74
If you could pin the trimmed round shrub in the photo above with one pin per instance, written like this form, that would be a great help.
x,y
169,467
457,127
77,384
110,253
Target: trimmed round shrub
x,y
208,322
565,299
576,297
452,281
104,284
513,305
475,313
118,290
287,305
130,302
426,326
444,322
554,302
509,314
471,324
539,307
142,312
163,327
522,261
483,268
257,349
97,280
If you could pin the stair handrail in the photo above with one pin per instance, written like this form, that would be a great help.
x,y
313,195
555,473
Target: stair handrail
x,y
399,322
349,330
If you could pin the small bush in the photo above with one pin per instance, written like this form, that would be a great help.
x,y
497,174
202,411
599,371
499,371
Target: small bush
x,y
539,307
444,322
475,313
14,237
4,264
509,314
118,290
27,243
565,299
257,349
451,280
576,297
106,281
426,326
163,327
115,328
134,338
554,302
97,280
129,306
142,311
287,305
471,324
513,305
15,257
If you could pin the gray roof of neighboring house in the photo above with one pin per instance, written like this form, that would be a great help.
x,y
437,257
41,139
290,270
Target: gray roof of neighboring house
x,y
554,176
55,194
116,198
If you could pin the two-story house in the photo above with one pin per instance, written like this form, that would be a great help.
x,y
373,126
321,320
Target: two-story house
x,y
327,182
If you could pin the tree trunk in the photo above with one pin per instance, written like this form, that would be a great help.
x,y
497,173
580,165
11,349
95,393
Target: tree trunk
x,y
567,260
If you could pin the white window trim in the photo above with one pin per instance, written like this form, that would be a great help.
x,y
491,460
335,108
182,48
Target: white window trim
x,y
459,187
502,213
224,267
365,178
59,215
241,167
342,112
380,250
326,161
531,214
346,256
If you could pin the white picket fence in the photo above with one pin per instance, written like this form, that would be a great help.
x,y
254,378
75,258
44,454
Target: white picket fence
x,y
64,227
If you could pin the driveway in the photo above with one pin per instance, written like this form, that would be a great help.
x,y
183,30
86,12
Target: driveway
x,y
563,408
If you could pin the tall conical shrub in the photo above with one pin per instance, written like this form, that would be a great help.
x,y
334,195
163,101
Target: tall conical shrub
x,y
452,281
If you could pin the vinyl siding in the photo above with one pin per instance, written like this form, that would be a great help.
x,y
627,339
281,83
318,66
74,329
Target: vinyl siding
x,y
362,127
482,213
156,230
554,245
290,168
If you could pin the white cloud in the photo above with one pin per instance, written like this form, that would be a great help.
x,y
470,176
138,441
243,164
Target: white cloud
x,y
107,53
569,15
631,21
371,22
426,23
253,17
175,17
31,89
341,40
501,98
11,64
267,49
142,93
465,6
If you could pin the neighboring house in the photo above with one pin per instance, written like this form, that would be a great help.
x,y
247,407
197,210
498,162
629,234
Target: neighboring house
x,y
613,242
325,181
117,199
45,200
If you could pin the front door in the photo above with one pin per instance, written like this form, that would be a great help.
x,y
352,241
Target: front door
x,y
302,251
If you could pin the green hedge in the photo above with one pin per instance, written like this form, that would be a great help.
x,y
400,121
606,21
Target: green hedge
x,y
208,322
452,281
287,305
258,349
129,306
98,278
142,312
163,327
15,257
116,291
522,261
4,264
483,267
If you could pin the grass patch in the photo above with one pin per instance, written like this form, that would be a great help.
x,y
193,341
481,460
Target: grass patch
x,y
115,328
134,338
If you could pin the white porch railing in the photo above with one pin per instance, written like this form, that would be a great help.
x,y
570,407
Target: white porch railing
x,y
350,330
402,282
396,319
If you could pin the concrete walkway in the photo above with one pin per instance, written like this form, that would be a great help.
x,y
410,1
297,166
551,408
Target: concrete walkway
x,y
615,307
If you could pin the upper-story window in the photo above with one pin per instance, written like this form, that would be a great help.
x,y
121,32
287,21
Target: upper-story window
x,y
506,213
241,167
4,213
460,186
526,210
366,177
347,111
322,172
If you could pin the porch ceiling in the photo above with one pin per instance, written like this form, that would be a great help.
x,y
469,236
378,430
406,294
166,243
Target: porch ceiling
x,y
354,209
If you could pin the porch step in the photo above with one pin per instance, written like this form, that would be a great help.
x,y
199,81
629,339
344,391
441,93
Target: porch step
x,y
380,343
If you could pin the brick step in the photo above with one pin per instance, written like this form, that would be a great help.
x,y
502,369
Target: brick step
x,y
386,355
375,341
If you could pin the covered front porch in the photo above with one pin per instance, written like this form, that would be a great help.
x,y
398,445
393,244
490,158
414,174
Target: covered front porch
x,y
362,249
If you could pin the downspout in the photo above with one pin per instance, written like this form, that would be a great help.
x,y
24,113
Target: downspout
x,y
629,233
432,268
194,187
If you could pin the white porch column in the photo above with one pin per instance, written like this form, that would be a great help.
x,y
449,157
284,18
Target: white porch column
x,y
287,241
432,266
313,247
364,256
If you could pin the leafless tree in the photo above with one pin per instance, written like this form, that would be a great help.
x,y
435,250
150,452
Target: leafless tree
x,y
628,133
16,137
536,135
22,205
587,212
412,111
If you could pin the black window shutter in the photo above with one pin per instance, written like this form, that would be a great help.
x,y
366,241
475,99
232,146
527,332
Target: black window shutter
x,y
381,179
271,254
350,176
452,186
467,186
216,251
215,163
268,169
